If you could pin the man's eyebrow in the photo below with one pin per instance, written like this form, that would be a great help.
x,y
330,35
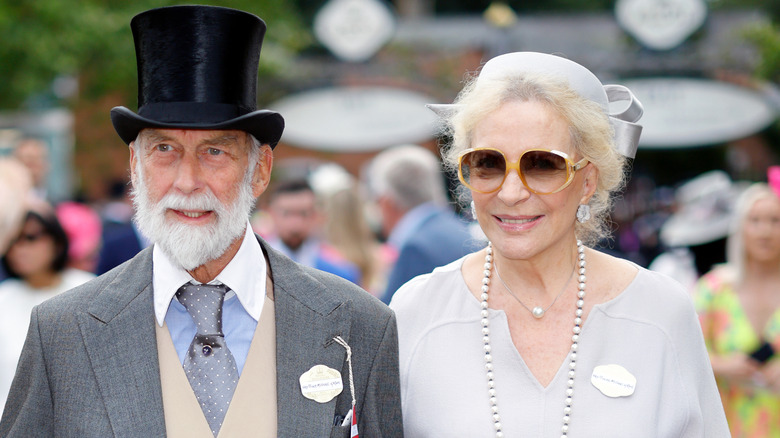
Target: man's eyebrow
x,y
154,136
222,140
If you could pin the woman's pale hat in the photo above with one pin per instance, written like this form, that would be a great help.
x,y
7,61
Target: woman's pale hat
x,y
580,79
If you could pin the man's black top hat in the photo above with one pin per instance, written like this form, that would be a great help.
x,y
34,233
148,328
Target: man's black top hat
x,y
197,69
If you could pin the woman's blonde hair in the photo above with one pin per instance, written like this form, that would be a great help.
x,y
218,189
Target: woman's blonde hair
x,y
349,232
589,128
735,245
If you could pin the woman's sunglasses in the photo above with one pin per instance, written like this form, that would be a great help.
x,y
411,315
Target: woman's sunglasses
x,y
542,171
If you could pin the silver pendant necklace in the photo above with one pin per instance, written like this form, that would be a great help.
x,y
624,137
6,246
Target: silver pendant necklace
x,y
575,339
537,311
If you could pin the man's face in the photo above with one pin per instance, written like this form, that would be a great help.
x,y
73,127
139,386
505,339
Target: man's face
x,y
194,189
34,155
295,217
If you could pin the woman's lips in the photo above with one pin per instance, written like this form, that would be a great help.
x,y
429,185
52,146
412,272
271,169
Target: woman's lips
x,y
518,221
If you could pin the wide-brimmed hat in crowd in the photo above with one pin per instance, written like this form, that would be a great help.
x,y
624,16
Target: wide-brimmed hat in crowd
x,y
705,206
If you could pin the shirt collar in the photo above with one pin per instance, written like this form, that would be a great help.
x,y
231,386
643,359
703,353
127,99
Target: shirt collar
x,y
245,275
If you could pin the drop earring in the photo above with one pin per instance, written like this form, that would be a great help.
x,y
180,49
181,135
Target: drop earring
x,y
583,213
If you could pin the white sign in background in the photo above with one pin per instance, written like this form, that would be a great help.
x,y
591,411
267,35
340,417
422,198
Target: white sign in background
x,y
356,119
661,24
354,30
684,112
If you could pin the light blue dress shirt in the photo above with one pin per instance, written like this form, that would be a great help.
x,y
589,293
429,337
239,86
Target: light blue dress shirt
x,y
245,275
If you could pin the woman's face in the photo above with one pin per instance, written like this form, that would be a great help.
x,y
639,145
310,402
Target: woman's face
x,y
522,224
33,251
761,232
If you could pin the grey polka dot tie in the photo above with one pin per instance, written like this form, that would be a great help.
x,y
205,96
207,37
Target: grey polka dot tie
x,y
209,365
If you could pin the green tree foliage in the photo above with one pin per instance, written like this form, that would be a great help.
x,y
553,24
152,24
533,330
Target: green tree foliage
x,y
766,39
770,7
91,40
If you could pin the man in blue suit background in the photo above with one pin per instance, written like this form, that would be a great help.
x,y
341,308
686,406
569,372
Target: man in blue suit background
x,y
409,187
297,225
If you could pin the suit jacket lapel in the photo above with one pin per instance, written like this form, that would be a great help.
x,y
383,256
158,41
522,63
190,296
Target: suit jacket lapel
x,y
307,320
119,335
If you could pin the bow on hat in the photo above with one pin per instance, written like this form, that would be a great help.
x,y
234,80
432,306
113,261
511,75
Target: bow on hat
x,y
581,80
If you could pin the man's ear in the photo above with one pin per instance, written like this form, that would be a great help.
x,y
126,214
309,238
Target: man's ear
x,y
133,159
590,181
263,167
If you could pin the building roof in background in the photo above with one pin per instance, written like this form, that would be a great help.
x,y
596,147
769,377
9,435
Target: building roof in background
x,y
594,40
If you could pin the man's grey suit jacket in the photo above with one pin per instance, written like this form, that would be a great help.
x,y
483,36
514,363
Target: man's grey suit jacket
x,y
89,367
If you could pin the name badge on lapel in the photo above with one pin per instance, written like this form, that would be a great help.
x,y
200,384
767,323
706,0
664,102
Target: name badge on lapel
x,y
613,380
321,383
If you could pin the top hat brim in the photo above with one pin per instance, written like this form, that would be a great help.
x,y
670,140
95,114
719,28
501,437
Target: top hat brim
x,y
265,125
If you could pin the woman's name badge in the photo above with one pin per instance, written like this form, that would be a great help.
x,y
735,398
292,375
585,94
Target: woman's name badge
x,y
613,380
321,383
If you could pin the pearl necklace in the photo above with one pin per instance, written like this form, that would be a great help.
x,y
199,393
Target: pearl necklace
x,y
574,340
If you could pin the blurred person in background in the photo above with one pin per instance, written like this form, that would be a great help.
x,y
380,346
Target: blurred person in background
x,y
347,228
34,154
15,183
408,186
739,309
83,227
121,238
37,265
538,334
694,235
297,229
118,206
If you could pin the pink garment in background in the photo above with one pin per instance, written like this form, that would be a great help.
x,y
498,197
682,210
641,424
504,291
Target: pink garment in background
x,y
83,226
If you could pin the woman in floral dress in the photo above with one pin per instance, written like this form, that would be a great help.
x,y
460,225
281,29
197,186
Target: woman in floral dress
x,y
739,310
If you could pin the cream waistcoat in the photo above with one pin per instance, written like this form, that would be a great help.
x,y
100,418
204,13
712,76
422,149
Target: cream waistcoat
x,y
252,411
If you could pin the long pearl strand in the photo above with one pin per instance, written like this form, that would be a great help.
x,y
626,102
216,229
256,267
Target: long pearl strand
x,y
575,339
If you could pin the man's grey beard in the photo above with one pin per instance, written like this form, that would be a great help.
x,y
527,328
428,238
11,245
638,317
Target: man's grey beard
x,y
190,246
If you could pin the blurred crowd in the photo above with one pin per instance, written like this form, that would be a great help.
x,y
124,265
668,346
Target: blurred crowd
x,y
398,219
721,240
